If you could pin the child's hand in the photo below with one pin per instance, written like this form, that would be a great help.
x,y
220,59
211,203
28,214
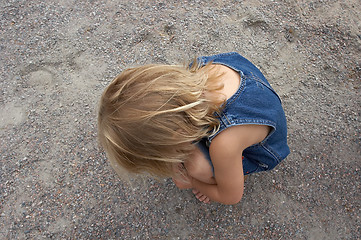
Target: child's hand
x,y
182,180
200,196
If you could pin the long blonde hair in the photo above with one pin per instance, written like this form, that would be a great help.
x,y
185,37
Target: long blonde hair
x,y
149,116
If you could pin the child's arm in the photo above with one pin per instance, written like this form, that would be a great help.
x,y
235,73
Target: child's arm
x,y
226,154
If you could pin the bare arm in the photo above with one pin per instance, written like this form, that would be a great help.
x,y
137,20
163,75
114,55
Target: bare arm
x,y
226,154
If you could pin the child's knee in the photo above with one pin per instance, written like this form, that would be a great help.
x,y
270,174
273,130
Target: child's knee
x,y
198,166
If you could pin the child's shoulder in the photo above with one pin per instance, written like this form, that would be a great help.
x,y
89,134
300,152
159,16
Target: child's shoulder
x,y
239,137
250,134
229,78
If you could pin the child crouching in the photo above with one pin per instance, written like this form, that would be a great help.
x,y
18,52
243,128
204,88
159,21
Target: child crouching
x,y
206,125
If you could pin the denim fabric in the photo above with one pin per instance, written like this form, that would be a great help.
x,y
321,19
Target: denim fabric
x,y
255,102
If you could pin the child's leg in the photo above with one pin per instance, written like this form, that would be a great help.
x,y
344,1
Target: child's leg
x,y
181,178
199,168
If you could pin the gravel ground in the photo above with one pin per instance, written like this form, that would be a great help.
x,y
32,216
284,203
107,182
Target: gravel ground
x,y
56,57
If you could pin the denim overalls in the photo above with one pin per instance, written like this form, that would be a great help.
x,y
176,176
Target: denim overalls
x,y
255,102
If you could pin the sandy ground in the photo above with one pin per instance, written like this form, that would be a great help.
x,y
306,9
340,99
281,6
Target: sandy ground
x,y
56,57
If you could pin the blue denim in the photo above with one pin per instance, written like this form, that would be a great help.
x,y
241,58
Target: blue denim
x,y
255,102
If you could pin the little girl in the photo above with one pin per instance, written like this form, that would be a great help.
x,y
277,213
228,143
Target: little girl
x,y
206,126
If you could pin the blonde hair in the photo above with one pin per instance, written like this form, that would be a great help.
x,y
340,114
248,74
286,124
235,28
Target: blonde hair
x,y
149,116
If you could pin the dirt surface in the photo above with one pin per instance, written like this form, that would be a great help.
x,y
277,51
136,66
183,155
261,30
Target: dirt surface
x,y
56,57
